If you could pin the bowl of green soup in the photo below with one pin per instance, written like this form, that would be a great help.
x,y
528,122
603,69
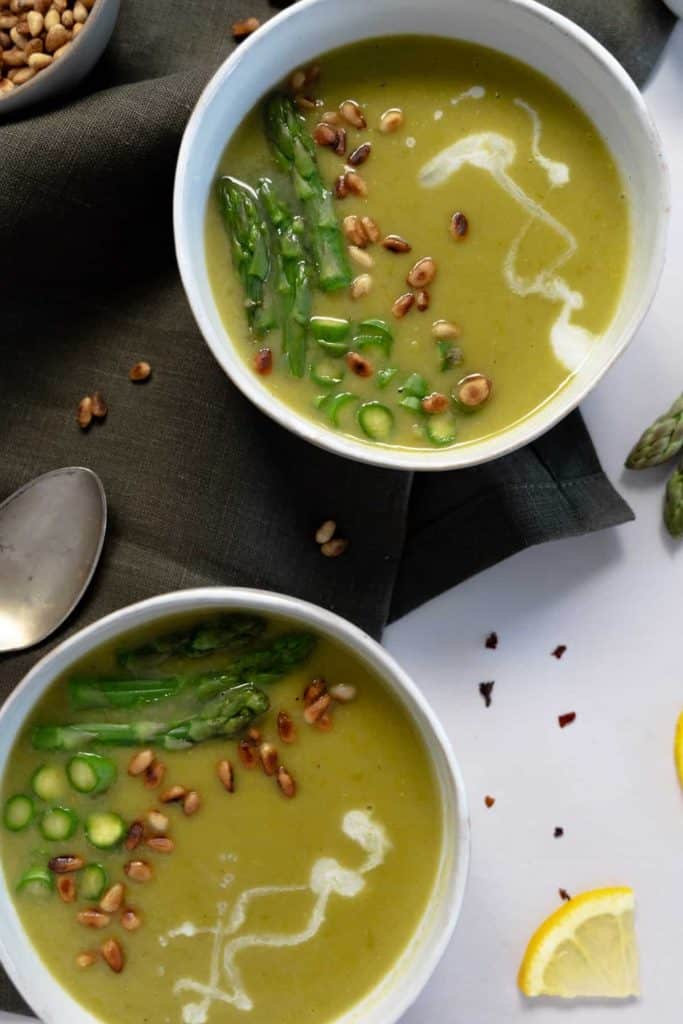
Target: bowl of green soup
x,y
225,805
418,234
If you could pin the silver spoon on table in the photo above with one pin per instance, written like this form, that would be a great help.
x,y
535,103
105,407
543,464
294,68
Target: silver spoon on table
x,y
51,535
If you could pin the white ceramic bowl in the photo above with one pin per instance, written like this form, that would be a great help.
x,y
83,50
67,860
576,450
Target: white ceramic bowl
x,y
521,28
398,990
66,72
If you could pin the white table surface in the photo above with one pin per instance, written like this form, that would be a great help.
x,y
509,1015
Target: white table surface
x,y
616,600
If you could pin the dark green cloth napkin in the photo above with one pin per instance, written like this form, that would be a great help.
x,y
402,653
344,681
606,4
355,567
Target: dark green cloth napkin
x,y
202,488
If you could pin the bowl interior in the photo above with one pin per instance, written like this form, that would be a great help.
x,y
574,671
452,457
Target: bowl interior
x,y
404,982
520,28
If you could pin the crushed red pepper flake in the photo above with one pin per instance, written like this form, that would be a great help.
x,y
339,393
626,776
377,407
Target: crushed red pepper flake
x,y
559,651
491,641
566,719
486,689
564,895
558,833
489,801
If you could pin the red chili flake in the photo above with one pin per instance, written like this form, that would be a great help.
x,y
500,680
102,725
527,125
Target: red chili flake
x,y
263,361
491,641
564,895
566,719
558,833
485,689
559,651
489,801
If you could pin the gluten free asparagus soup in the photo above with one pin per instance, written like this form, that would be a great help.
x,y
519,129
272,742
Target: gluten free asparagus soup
x,y
417,241
220,819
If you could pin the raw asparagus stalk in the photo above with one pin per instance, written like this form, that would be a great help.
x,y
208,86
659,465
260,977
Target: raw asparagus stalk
x,y
673,503
295,151
230,632
247,229
661,441
226,715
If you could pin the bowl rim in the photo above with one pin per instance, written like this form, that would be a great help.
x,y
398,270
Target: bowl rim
x,y
524,431
453,869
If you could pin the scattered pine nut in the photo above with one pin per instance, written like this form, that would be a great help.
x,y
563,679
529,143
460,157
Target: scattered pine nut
x,y
343,692
154,774
371,229
325,134
226,775
354,231
445,330
361,257
66,887
403,304
263,361
113,898
39,61
247,755
93,918
313,712
395,243
358,364
134,835
459,226
361,286
87,959
435,403
130,919
355,184
360,154
391,120
192,803
286,729
334,548
139,372
324,723
99,406
138,870
340,145
157,821
422,300
340,187
160,844
84,411
331,117
173,795
140,762
325,531
268,755
65,863
244,28
351,112
473,390
113,955
422,273
286,782
315,689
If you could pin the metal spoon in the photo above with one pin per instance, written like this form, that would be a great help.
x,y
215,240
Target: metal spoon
x,y
51,536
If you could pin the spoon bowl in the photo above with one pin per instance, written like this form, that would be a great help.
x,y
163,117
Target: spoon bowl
x,y
51,536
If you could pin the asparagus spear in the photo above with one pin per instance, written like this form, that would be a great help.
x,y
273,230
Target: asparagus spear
x,y
230,632
227,715
292,283
673,503
246,226
259,667
295,151
661,441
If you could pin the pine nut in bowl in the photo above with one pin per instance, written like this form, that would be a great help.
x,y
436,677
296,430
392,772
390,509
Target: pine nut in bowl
x,y
307,782
491,105
46,47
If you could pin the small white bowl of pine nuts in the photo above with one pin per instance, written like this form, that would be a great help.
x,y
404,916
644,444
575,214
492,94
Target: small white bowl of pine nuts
x,y
47,46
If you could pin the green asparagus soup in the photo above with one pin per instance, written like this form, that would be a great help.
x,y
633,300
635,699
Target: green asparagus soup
x,y
221,820
416,241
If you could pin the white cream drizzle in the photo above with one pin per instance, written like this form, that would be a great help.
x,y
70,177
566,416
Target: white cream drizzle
x,y
328,877
494,153
477,92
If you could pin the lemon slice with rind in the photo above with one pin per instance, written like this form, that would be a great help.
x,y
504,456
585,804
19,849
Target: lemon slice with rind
x,y
586,948
678,748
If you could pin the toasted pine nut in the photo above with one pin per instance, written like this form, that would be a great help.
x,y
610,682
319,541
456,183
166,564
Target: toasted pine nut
x,y
99,406
435,403
138,870
268,755
113,898
157,821
324,134
360,154
263,361
254,735
154,774
139,372
160,844
315,689
66,887
403,304
65,863
173,794
35,23
352,113
18,38
340,187
77,29
226,775
247,756
371,229
93,918
52,18
80,11
244,28
358,364
356,185
391,120
192,803
130,919
14,58
23,75
134,835
445,330
286,782
140,762
422,300
297,80
395,243
68,19
113,955
325,531
360,286
39,61
87,959
422,273
473,390
361,257
34,46
354,231
285,727
56,37
459,226
84,411
324,723
334,547
340,145
343,692
313,712
330,117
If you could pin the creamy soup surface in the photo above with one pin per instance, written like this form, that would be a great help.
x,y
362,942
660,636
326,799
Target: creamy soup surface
x,y
270,906
530,286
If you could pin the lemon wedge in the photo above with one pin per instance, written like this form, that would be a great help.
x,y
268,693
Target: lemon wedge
x,y
586,948
678,748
